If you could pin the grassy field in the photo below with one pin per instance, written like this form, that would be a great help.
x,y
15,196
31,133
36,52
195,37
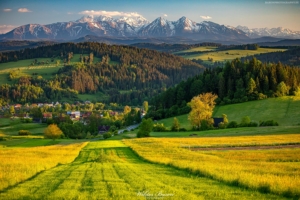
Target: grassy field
x,y
203,48
111,170
228,55
246,131
11,127
276,171
98,97
283,110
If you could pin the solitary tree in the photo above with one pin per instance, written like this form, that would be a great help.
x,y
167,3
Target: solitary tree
x,y
145,128
201,109
52,132
176,125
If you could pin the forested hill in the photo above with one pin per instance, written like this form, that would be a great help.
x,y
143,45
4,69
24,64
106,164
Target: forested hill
x,y
140,72
290,57
237,82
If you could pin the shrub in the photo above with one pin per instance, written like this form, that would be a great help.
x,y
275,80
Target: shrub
x,y
182,129
159,127
107,135
232,124
268,123
115,132
125,131
26,120
113,128
253,124
221,125
205,125
24,132
245,121
88,135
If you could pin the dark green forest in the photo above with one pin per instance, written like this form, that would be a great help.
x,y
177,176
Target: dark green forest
x,y
142,72
238,81
290,57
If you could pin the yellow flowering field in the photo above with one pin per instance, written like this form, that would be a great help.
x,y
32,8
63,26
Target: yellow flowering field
x,y
19,164
269,171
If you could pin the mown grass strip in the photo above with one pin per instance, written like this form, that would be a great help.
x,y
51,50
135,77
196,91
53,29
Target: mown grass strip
x,y
120,174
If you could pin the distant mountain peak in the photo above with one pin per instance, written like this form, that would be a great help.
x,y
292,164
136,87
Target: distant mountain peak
x,y
138,26
279,32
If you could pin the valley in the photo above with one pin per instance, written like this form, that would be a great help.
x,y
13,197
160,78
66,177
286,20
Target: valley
x,y
142,102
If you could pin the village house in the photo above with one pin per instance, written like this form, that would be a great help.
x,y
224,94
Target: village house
x,y
18,106
47,115
74,115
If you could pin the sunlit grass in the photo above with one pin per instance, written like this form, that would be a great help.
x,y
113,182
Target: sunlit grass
x,y
111,170
19,164
228,55
275,171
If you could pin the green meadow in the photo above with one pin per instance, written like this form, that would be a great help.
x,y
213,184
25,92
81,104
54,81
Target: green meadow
x,y
284,110
111,170
202,48
225,55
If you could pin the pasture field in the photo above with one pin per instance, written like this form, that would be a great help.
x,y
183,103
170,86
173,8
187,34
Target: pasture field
x,y
203,48
282,109
20,164
10,127
243,131
98,97
228,55
273,171
111,170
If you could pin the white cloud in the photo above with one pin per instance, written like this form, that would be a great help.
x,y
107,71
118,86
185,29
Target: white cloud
x,y
7,10
205,17
23,10
69,13
165,15
6,28
109,13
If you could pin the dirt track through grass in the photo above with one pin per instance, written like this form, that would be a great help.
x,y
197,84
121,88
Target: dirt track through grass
x,y
110,170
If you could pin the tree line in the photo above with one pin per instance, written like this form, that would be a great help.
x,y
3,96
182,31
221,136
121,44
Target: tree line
x,y
238,81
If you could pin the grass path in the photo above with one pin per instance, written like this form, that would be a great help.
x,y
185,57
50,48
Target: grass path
x,y
110,170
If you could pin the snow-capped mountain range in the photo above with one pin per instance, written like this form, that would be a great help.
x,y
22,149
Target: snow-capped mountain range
x,y
272,32
141,27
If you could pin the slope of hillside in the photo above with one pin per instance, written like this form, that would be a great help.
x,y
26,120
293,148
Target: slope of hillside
x,y
89,68
284,110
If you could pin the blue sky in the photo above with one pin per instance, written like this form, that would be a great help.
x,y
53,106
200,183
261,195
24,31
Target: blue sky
x,y
251,13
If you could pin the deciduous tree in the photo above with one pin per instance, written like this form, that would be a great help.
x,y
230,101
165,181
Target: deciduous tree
x,y
176,125
52,132
145,128
201,108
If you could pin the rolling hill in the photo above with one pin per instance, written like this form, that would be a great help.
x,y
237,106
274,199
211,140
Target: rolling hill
x,y
90,68
284,110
